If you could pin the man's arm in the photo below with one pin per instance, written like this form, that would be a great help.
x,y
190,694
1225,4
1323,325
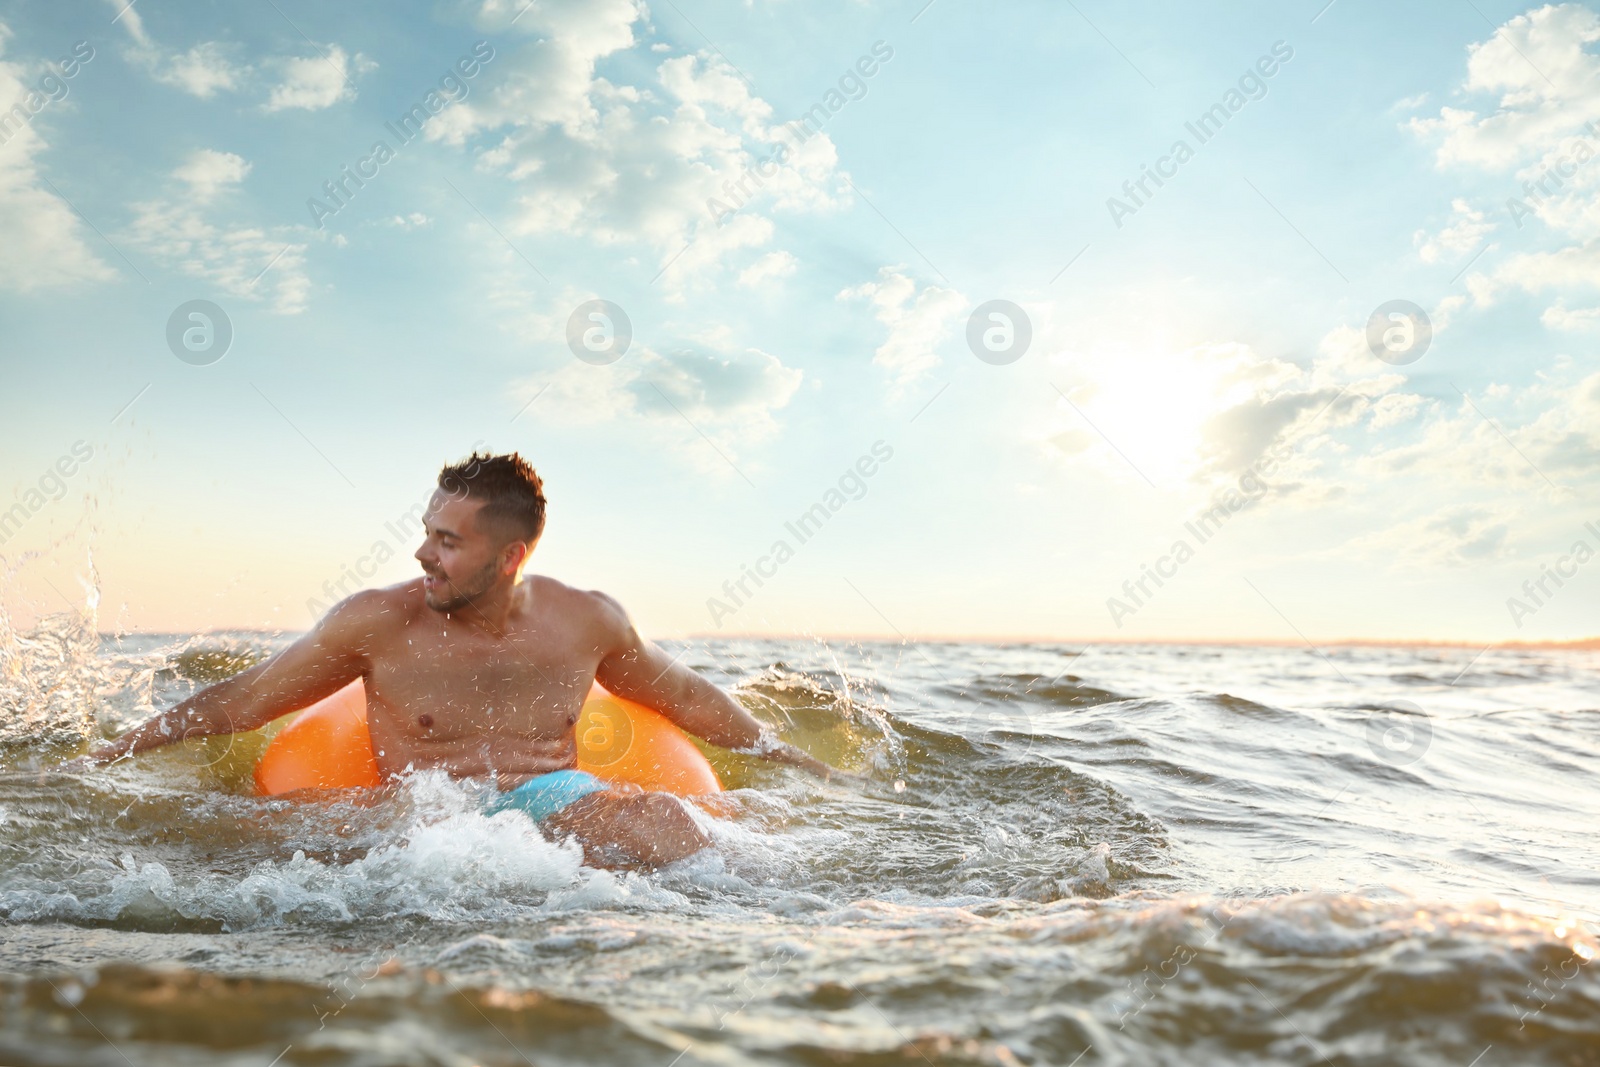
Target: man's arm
x,y
324,661
637,670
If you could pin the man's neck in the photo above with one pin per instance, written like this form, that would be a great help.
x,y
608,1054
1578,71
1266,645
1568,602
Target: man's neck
x,y
491,612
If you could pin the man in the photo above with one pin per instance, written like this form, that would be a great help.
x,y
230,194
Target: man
x,y
478,672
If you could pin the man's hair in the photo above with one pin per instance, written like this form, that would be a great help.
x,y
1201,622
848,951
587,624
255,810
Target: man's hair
x,y
512,494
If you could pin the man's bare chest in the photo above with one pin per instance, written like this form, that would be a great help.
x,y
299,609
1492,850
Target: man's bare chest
x,y
440,688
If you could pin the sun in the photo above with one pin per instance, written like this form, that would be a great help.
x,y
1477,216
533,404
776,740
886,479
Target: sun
x,y
1153,409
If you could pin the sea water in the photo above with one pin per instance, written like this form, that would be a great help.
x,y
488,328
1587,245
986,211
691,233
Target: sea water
x,y
1059,854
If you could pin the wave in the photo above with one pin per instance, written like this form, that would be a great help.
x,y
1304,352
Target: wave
x,y
1302,979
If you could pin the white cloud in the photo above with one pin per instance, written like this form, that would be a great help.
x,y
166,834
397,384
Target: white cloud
x,y
1572,267
309,83
706,383
201,71
1545,130
46,246
248,262
312,83
738,389
413,221
772,265
127,14
1548,429
1465,230
1455,535
688,162
208,171
1545,81
918,322
687,396
1393,409
1562,318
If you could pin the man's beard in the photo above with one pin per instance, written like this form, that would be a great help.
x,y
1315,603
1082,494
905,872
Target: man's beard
x,y
462,594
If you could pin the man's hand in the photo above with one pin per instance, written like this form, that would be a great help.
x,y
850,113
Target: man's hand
x,y
94,758
783,752
322,662
637,670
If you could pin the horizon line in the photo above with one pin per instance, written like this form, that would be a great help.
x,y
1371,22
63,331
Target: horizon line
x,y
1569,644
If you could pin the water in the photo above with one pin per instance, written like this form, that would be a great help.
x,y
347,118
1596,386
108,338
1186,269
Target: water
x,y
1118,854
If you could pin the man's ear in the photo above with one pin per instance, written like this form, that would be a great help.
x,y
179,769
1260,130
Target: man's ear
x,y
513,556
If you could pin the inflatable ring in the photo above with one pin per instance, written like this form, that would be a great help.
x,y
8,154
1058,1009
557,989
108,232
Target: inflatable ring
x,y
328,747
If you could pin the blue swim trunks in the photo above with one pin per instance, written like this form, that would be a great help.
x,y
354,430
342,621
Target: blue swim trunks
x,y
547,794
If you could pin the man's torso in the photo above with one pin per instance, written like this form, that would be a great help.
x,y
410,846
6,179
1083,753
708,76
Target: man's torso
x,y
442,693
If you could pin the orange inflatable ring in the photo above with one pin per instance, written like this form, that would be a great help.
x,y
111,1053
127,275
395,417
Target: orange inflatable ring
x,y
328,747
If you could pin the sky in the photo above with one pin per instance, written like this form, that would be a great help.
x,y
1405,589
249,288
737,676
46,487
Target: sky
x,y
1134,321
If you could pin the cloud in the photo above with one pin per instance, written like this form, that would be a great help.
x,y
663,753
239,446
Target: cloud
x,y
704,382
1561,318
128,15
208,171
1455,535
708,403
1194,418
1463,234
770,266
309,83
1573,267
248,262
414,221
1504,440
1394,409
46,244
740,388
201,71
1543,129
316,82
918,322
686,161
1544,79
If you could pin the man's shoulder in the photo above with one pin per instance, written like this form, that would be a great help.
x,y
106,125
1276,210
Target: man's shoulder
x,y
589,605
377,609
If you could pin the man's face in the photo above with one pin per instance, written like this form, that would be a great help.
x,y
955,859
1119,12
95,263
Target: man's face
x,y
460,559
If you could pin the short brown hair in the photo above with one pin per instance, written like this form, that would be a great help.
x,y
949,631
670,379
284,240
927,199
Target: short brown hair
x,y
511,491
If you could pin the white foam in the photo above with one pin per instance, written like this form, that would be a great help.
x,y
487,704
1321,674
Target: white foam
x,y
447,860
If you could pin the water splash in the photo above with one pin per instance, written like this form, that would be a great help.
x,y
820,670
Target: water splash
x,y
50,675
